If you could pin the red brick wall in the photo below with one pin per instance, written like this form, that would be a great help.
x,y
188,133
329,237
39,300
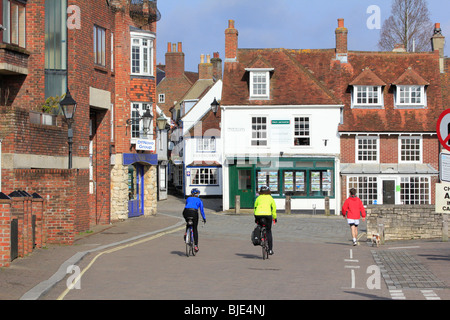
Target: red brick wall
x,y
5,235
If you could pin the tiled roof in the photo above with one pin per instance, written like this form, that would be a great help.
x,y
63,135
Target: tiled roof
x,y
314,77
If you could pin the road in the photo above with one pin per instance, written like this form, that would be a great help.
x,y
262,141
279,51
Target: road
x,y
313,259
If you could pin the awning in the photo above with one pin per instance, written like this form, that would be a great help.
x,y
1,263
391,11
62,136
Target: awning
x,y
387,168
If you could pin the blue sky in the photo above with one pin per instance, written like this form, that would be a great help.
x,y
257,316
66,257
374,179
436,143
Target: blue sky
x,y
291,24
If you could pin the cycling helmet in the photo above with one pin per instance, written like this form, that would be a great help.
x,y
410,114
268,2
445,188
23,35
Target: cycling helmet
x,y
195,192
264,190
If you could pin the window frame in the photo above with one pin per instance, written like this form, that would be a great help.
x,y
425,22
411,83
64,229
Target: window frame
x,y
306,130
206,145
264,75
136,129
356,90
401,139
398,93
376,150
99,37
19,24
423,195
366,188
204,176
255,141
141,37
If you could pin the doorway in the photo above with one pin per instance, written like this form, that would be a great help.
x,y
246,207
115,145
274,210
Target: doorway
x,y
388,191
242,184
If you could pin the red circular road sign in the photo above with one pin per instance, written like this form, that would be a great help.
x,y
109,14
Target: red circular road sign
x,y
443,129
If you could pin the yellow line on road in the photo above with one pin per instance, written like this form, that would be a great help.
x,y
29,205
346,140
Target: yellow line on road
x,y
70,287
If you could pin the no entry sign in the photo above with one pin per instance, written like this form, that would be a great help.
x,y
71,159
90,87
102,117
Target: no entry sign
x,y
443,129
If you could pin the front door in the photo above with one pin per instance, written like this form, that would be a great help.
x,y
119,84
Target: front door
x,y
388,191
242,184
135,190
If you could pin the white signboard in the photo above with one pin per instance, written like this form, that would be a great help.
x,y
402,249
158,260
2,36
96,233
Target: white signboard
x,y
146,145
444,166
443,197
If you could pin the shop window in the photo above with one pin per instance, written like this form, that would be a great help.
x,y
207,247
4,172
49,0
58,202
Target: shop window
x,y
269,179
321,183
294,183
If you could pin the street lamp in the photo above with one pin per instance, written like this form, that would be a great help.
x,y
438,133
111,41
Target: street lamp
x,y
161,122
69,106
214,106
146,120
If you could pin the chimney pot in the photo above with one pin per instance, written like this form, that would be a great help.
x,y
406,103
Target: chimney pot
x,y
340,23
179,47
169,47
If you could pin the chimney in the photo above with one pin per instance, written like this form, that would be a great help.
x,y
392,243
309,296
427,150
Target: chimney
x,y
174,60
217,66
437,43
399,47
341,37
205,69
231,42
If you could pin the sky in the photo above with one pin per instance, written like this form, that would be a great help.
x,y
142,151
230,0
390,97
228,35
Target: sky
x,y
292,24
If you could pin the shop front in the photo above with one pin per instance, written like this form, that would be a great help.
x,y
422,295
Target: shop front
x,y
306,180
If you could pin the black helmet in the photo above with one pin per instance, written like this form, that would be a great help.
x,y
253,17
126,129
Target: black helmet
x,y
195,192
264,190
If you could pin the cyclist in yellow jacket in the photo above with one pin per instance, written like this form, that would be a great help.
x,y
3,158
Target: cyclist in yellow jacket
x,y
265,212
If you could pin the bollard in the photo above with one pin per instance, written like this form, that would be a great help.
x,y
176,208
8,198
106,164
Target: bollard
x,y
237,208
327,206
287,204
380,223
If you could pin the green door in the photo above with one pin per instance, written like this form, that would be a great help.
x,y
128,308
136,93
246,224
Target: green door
x,y
242,184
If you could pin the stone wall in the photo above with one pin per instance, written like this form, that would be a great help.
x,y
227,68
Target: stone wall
x,y
404,222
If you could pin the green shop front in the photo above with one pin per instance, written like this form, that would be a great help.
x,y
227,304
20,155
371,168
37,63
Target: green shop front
x,y
308,181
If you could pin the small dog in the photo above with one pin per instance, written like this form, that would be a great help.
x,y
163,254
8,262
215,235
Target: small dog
x,y
375,239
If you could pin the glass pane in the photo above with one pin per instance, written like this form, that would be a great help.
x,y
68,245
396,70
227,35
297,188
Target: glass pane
x,y
244,179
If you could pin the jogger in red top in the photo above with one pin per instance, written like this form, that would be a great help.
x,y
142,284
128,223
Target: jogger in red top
x,y
353,209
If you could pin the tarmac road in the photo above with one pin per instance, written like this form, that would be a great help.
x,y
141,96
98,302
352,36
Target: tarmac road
x,y
144,259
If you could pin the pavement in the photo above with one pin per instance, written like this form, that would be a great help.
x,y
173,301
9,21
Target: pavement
x,y
421,264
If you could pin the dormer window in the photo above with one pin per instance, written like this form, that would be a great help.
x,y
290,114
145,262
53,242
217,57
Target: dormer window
x,y
410,90
367,96
410,96
259,84
367,90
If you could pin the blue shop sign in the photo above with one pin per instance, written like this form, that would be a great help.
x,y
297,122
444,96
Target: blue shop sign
x,y
148,158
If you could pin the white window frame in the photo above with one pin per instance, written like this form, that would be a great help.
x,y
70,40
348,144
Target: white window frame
x,y
143,43
263,74
407,91
261,133
161,98
303,133
206,145
204,176
368,93
402,141
376,150
424,195
363,186
136,129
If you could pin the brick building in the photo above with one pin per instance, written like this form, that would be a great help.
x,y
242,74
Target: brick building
x,y
279,105
87,47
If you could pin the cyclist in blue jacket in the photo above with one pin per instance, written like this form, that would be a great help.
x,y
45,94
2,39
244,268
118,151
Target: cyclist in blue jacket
x,y
193,203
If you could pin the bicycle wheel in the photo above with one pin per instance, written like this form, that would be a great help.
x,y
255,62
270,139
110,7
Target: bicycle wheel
x,y
188,242
264,245
192,242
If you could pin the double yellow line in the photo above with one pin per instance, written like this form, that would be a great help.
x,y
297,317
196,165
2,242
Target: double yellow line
x,y
74,282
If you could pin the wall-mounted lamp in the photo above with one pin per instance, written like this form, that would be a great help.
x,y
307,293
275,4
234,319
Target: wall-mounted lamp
x,y
146,120
214,106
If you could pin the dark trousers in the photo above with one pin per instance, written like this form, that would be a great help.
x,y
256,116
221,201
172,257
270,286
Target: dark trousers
x,y
192,213
266,221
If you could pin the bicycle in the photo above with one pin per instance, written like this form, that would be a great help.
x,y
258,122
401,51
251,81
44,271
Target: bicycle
x,y
264,243
190,237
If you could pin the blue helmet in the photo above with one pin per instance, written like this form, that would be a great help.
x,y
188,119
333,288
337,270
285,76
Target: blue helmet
x,y
195,192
